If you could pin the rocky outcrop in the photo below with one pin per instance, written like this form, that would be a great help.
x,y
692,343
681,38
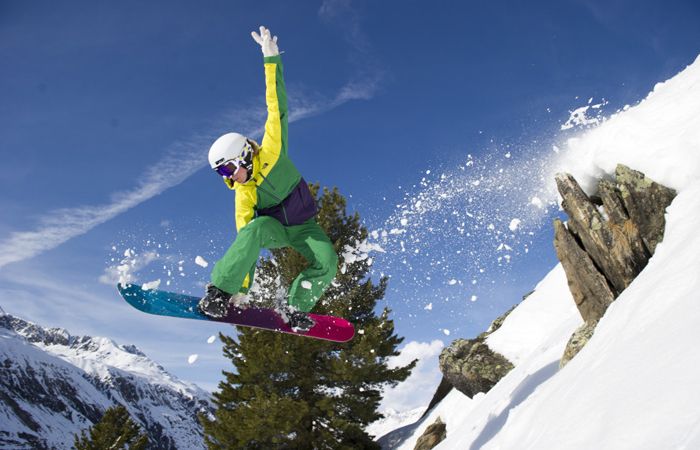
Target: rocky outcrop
x,y
433,435
577,341
470,366
588,286
607,240
645,202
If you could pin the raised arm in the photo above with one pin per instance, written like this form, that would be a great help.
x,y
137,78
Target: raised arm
x,y
275,137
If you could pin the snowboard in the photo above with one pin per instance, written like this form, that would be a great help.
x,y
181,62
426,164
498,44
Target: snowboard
x,y
163,303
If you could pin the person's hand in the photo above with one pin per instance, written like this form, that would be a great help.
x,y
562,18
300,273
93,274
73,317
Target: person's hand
x,y
267,42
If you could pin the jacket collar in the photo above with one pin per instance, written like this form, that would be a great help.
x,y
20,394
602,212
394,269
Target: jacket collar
x,y
254,179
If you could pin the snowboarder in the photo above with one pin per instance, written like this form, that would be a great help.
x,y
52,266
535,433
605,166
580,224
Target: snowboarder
x,y
274,208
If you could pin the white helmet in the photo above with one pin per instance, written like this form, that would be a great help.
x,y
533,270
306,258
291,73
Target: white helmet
x,y
228,147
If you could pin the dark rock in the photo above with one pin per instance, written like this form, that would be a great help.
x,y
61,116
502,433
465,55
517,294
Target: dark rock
x,y
472,367
646,202
588,286
496,324
607,241
604,247
433,435
609,246
577,341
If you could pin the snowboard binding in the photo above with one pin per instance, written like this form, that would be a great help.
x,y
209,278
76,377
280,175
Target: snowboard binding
x,y
216,302
299,321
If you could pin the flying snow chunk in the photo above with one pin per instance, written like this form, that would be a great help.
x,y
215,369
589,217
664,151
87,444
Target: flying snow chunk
x,y
579,117
446,331
474,297
192,359
211,339
201,261
151,285
514,224
537,202
505,247
404,222
428,307
306,284
452,282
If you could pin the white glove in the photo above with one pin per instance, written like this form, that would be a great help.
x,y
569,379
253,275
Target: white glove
x,y
266,41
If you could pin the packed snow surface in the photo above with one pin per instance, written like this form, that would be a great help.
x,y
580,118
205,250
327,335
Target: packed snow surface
x,y
636,383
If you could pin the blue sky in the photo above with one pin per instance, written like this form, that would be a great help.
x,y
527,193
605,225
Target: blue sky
x,y
108,110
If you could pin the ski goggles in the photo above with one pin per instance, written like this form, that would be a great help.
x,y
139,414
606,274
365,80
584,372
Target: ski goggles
x,y
228,168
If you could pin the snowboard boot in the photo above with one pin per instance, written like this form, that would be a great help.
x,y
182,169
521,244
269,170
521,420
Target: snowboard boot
x,y
215,303
301,321
297,320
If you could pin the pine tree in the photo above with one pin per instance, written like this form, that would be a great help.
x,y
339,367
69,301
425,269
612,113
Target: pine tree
x,y
289,392
115,431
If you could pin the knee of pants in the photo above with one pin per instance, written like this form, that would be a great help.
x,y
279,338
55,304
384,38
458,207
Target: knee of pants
x,y
256,225
259,222
329,261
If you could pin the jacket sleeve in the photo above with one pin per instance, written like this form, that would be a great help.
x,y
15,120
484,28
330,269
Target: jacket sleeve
x,y
246,198
275,138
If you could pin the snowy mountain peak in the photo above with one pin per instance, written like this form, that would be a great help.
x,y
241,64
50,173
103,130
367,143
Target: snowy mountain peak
x,y
54,385
34,333
134,350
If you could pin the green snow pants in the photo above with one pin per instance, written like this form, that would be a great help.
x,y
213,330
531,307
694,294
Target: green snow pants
x,y
309,239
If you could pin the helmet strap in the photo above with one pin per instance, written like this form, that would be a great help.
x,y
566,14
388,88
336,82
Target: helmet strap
x,y
248,165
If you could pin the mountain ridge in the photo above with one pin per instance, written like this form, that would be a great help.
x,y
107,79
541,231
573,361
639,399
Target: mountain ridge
x,y
54,384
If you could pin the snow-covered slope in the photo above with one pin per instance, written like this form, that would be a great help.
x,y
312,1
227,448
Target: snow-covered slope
x,y
533,337
636,384
52,385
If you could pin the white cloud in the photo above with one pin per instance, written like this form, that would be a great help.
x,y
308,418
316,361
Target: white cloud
x,y
124,272
419,388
